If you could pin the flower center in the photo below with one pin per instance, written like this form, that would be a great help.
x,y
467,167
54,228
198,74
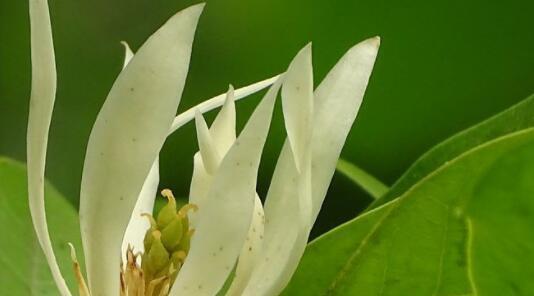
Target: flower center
x,y
166,247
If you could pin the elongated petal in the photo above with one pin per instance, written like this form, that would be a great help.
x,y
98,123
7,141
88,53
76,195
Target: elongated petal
x,y
126,139
220,235
288,205
41,106
337,101
138,225
128,54
218,101
251,251
297,94
208,151
222,129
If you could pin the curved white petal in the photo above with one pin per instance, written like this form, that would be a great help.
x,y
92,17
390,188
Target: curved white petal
x,y
251,251
128,54
337,101
138,225
208,151
288,203
126,139
223,226
218,101
43,92
222,129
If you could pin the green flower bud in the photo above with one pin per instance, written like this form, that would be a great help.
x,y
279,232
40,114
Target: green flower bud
x,y
172,234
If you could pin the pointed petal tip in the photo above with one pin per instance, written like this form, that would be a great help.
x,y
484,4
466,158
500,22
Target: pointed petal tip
x,y
196,9
307,49
125,44
375,41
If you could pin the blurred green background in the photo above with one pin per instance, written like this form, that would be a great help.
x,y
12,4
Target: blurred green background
x,y
443,66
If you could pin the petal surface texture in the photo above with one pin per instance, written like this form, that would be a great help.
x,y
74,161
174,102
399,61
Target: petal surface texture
x,y
224,221
251,251
126,139
43,93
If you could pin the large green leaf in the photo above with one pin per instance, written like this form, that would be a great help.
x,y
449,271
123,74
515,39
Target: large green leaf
x,y
517,117
23,267
464,229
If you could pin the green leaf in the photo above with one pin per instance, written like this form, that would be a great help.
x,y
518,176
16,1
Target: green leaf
x,y
463,228
517,117
366,181
23,267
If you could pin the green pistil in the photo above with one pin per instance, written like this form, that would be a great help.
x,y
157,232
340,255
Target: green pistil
x,y
167,241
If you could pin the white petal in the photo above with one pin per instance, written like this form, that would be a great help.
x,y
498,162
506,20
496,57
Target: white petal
x,y
218,101
128,54
223,127
138,225
222,231
208,151
337,101
126,139
288,204
297,99
251,251
43,94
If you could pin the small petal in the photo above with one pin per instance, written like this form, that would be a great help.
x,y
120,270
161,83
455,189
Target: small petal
x,y
208,151
138,225
128,54
43,93
126,139
223,128
222,230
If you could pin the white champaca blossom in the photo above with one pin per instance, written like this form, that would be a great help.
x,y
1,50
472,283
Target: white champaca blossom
x,y
225,234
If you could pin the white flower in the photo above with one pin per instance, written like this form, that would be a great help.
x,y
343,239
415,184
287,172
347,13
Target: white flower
x,y
120,174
